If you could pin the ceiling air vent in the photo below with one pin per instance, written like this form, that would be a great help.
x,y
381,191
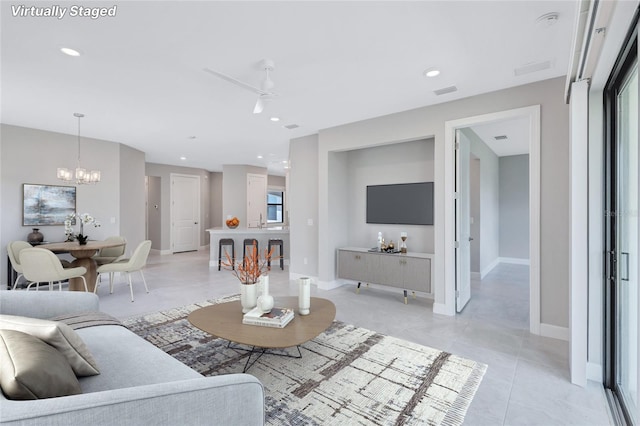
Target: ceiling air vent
x,y
290,126
500,138
534,67
445,90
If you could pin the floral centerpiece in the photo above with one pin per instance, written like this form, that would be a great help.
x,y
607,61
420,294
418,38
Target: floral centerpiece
x,y
249,271
83,219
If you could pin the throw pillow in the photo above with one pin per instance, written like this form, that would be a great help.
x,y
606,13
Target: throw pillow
x,y
58,335
32,369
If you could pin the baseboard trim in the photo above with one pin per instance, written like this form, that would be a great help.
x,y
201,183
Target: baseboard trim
x,y
555,332
441,309
161,252
489,268
514,260
327,285
476,276
594,372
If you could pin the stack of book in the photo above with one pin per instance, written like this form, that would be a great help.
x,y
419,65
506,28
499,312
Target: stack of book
x,y
278,317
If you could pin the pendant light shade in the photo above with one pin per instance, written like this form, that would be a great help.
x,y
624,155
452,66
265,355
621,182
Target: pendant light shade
x,y
81,175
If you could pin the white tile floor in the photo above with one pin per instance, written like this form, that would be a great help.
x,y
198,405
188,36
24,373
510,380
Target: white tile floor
x,y
527,382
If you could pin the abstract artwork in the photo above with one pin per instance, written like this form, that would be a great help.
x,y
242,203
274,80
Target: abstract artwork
x,y
47,204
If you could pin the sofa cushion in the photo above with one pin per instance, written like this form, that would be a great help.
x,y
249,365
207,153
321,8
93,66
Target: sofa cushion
x,y
58,335
127,360
32,369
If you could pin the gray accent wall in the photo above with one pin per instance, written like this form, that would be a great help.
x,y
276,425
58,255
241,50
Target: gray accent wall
x,y
304,218
132,196
215,181
154,211
406,162
427,122
474,206
234,190
514,206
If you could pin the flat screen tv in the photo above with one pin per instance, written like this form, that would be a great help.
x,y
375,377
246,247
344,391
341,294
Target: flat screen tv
x,y
400,204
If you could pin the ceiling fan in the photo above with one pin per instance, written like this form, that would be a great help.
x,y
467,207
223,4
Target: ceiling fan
x,y
264,92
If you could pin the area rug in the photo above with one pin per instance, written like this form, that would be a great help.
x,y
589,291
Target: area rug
x,y
347,375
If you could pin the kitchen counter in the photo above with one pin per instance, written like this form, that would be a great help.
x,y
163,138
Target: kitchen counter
x,y
240,233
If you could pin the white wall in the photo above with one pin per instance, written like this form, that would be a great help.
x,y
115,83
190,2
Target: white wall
x,y
514,206
429,122
407,162
32,156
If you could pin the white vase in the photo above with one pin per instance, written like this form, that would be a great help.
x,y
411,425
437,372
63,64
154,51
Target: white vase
x,y
265,301
248,297
304,295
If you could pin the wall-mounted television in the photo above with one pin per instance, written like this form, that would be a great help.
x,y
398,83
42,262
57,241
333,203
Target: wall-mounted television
x,y
400,204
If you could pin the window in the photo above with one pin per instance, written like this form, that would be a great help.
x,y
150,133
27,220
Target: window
x,y
275,206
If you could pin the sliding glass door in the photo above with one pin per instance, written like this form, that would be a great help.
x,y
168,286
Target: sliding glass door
x,y
623,199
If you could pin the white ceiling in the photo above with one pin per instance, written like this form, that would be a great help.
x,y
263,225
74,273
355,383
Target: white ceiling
x,y
140,82
516,130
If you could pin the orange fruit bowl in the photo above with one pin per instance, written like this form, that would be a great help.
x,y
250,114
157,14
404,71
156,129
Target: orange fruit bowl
x,y
233,222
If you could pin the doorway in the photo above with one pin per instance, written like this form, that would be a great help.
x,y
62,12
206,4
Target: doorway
x,y
622,224
185,212
532,116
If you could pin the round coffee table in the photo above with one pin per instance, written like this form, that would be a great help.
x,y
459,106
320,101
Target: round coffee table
x,y
224,320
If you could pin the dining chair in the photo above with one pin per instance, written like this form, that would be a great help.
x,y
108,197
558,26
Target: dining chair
x,y
137,261
13,249
110,254
42,265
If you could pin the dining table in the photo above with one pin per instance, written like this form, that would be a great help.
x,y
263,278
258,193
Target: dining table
x,y
82,257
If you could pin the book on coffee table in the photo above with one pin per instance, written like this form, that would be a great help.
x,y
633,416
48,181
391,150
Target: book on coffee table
x,y
278,317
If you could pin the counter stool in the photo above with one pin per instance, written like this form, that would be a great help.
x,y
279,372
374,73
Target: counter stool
x,y
280,243
249,242
227,242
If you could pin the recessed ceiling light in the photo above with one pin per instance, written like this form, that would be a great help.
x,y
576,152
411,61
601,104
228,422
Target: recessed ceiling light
x,y
69,51
432,72
183,158
192,137
285,161
260,156
275,119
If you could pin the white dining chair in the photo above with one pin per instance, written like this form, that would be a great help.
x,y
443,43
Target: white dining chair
x,y
41,265
13,250
137,261
111,254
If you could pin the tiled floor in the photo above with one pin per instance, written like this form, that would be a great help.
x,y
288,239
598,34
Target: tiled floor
x,y
527,382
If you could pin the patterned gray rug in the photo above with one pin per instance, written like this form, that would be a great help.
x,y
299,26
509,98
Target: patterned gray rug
x,y
347,375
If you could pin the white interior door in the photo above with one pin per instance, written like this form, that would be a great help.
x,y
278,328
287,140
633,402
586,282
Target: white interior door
x,y
463,228
185,212
256,199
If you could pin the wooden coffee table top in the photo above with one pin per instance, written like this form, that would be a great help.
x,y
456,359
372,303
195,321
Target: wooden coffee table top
x,y
224,320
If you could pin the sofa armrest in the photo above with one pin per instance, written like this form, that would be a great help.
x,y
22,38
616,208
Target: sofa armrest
x,y
224,400
46,304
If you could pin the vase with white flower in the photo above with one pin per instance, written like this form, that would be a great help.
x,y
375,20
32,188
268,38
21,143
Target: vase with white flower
x,y
250,271
83,219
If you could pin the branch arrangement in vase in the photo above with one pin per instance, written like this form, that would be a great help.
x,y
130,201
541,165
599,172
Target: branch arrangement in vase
x,y
249,270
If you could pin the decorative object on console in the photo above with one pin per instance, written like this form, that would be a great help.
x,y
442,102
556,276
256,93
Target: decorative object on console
x,y
265,301
35,236
248,272
232,222
47,204
403,244
276,317
304,295
84,219
82,176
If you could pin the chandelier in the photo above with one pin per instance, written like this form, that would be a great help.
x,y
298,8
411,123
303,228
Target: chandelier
x,y
82,176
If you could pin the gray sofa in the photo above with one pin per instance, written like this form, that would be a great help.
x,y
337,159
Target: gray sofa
x,y
138,385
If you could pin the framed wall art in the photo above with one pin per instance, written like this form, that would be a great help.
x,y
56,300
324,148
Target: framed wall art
x,y
47,204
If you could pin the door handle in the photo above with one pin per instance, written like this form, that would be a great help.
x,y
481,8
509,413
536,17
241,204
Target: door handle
x,y
195,223
625,256
470,239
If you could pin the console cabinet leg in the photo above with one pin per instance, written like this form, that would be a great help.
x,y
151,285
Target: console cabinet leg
x,y
405,297
358,289
414,294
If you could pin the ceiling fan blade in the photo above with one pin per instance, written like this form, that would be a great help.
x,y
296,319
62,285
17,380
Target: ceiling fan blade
x,y
235,81
259,106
